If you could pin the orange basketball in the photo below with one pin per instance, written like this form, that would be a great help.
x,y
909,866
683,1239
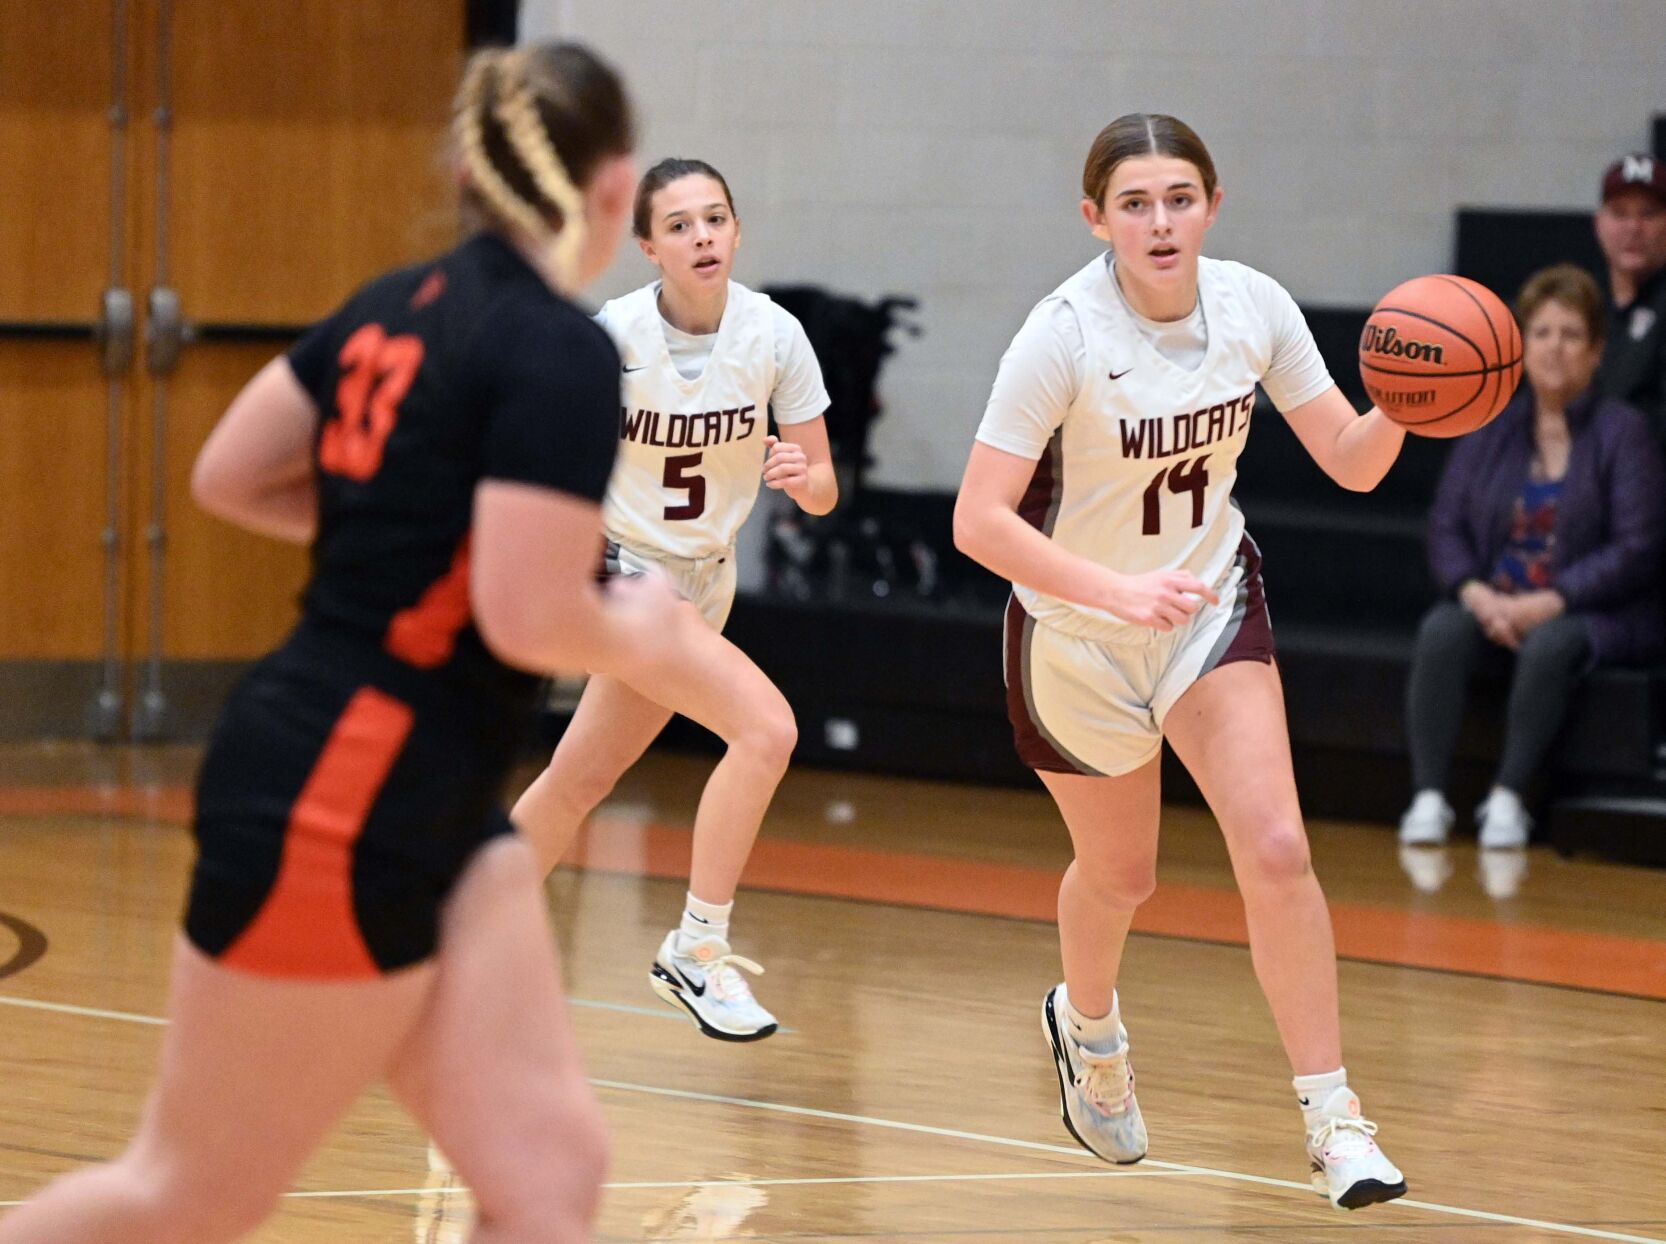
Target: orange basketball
x,y
1440,355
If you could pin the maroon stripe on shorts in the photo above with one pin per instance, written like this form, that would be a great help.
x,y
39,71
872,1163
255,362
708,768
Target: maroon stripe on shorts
x,y
1249,633
1033,748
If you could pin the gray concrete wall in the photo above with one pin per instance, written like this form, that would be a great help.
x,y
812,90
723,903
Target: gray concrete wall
x,y
934,147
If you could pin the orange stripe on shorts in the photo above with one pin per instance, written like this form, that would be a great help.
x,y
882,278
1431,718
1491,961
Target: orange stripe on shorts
x,y
307,926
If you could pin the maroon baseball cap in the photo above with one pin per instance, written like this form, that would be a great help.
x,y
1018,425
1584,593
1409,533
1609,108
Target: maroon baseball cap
x,y
1635,172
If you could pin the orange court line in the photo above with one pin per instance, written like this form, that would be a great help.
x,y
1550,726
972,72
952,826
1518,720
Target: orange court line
x,y
1531,953
157,803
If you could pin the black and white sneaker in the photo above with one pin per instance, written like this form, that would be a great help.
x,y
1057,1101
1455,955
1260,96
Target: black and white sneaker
x,y
1096,1091
1348,1168
703,980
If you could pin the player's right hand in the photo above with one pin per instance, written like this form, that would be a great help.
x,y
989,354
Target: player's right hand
x,y
1160,599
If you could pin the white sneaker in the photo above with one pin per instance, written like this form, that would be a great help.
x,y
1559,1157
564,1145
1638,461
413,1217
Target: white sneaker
x,y
1096,1091
1503,820
703,979
1348,1168
1428,820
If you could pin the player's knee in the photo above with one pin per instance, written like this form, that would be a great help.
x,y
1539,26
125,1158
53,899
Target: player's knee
x,y
559,1164
1279,852
1122,884
584,790
782,732
771,733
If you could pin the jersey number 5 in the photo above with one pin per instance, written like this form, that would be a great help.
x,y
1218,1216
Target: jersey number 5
x,y
376,373
1182,477
678,470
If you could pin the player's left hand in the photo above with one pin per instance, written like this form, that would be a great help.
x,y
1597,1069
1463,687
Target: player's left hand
x,y
785,469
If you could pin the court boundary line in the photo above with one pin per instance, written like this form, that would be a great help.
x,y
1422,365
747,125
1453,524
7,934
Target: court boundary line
x,y
1153,1165
1077,1152
649,1185
65,1008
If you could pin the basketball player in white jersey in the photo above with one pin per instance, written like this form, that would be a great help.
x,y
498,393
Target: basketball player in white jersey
x,y
705,360
1100,485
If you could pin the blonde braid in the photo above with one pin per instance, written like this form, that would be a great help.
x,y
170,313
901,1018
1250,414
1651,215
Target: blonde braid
x,y
517,112
471,144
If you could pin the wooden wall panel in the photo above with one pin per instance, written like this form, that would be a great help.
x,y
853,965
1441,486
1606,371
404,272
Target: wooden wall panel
x,y
52,420
307,147
226,594
55,83
304,157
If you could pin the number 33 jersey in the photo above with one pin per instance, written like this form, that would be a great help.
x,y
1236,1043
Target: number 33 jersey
x,y
429,380
691,451
1136,454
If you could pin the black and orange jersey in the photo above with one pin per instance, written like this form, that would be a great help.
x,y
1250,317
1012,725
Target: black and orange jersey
x,y
428,380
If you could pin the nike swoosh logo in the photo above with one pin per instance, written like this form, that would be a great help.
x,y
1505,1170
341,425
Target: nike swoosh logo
x,y
699,990
1304,1101
1118,375
631,369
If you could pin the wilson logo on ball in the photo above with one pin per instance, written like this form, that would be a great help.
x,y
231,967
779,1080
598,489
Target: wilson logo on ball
x,y
1388,343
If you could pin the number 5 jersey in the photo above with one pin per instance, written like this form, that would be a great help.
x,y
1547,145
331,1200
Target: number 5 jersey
x,y
1136,426
694,417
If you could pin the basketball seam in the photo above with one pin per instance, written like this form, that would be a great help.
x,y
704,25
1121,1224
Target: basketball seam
x,y
1444,415
1436,375
1498,348
1429,319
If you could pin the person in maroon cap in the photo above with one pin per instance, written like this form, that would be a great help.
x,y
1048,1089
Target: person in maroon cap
x,y
1631,229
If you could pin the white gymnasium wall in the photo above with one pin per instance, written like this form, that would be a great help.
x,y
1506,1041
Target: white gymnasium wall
x,y
934,147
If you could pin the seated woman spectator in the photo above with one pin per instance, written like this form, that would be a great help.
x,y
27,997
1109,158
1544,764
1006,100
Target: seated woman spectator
x,y
1545,540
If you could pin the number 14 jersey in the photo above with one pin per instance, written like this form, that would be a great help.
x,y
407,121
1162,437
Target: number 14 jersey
x,y
1135,454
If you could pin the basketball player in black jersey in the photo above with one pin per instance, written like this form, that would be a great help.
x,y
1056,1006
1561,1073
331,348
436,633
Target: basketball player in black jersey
x,y
360,906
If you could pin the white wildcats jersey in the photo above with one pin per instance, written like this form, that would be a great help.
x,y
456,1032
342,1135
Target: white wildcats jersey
x,y
1139,474
691,452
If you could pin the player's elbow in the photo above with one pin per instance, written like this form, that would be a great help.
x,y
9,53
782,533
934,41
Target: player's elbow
x,y
216,486
828,501
1358,480
968,529
505,630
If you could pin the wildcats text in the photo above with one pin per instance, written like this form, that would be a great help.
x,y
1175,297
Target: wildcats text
x,y
697,431
1183,433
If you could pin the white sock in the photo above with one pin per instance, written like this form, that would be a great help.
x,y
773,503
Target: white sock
x,y
1097,1034
702,919
1314,1092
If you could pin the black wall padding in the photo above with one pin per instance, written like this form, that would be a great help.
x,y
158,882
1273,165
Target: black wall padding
x,y
1501,249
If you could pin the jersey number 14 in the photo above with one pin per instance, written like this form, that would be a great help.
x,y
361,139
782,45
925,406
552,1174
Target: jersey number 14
x,y
1183,477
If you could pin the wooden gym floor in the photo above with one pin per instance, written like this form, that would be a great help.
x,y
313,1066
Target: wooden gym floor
x,y
1512,1048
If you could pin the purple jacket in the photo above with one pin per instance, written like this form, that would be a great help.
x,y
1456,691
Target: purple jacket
x,y
1610,518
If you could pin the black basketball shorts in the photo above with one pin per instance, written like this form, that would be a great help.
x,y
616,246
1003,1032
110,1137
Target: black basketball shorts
x,y
340,799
